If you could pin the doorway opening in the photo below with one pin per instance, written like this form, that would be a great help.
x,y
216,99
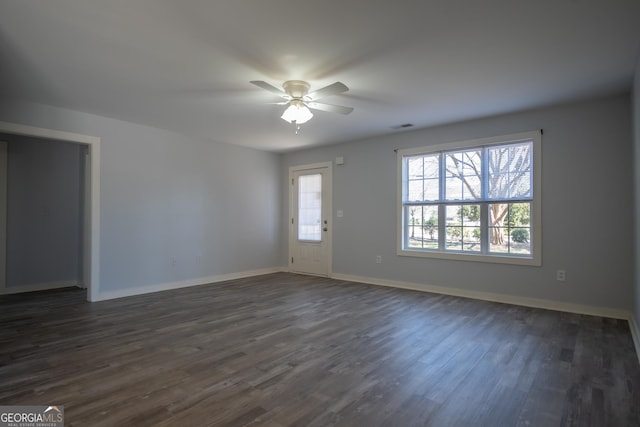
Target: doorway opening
x,y
91,222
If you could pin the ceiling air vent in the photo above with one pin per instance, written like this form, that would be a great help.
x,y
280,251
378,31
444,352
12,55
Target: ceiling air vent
x,y
406,125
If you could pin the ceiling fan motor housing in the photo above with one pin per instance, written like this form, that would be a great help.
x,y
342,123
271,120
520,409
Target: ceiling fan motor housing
x,y
296,89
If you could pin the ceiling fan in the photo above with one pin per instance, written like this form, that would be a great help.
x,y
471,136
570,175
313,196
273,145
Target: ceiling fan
x,y
300,100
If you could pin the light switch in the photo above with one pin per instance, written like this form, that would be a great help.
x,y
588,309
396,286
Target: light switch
x,y
339,214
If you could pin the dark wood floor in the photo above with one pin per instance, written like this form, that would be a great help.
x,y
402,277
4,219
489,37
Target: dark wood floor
x,y
284,349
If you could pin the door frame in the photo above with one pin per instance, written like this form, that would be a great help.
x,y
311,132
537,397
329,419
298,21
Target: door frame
x,y
91,247
4,174
329,198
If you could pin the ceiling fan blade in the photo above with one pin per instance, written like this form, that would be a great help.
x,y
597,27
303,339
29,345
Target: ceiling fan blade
x,y
332,89
270,88
329,107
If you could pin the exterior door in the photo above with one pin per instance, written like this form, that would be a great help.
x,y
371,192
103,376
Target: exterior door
x,y
310,233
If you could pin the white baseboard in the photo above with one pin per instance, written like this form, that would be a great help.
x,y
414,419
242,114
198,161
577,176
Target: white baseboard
x,y
121,293
40,287
635,334
487,296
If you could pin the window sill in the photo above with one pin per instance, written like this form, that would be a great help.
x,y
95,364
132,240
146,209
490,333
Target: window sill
x,y
458,256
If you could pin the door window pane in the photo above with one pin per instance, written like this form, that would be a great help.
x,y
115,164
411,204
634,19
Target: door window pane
x,y
310,207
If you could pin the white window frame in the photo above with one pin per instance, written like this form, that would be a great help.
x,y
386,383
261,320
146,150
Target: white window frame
x,y
535,259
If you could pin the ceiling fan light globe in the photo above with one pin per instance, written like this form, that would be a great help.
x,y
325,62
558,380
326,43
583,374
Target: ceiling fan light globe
x,y
298,114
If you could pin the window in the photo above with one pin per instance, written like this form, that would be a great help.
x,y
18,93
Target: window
x,y
310,207
475,200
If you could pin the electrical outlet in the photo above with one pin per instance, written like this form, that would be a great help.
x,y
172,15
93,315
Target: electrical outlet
x,y
561,275
379,259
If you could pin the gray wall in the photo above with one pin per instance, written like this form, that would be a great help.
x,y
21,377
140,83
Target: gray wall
x,y
636,180
173,208
218,209
586,206
44,212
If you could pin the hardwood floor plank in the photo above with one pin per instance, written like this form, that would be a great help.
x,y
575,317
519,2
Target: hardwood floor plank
x,y
289,350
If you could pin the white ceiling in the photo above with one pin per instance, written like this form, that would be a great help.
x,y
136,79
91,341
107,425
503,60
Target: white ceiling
x,y
185,65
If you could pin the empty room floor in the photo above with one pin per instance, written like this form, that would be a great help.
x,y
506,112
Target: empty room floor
x,y
285,349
